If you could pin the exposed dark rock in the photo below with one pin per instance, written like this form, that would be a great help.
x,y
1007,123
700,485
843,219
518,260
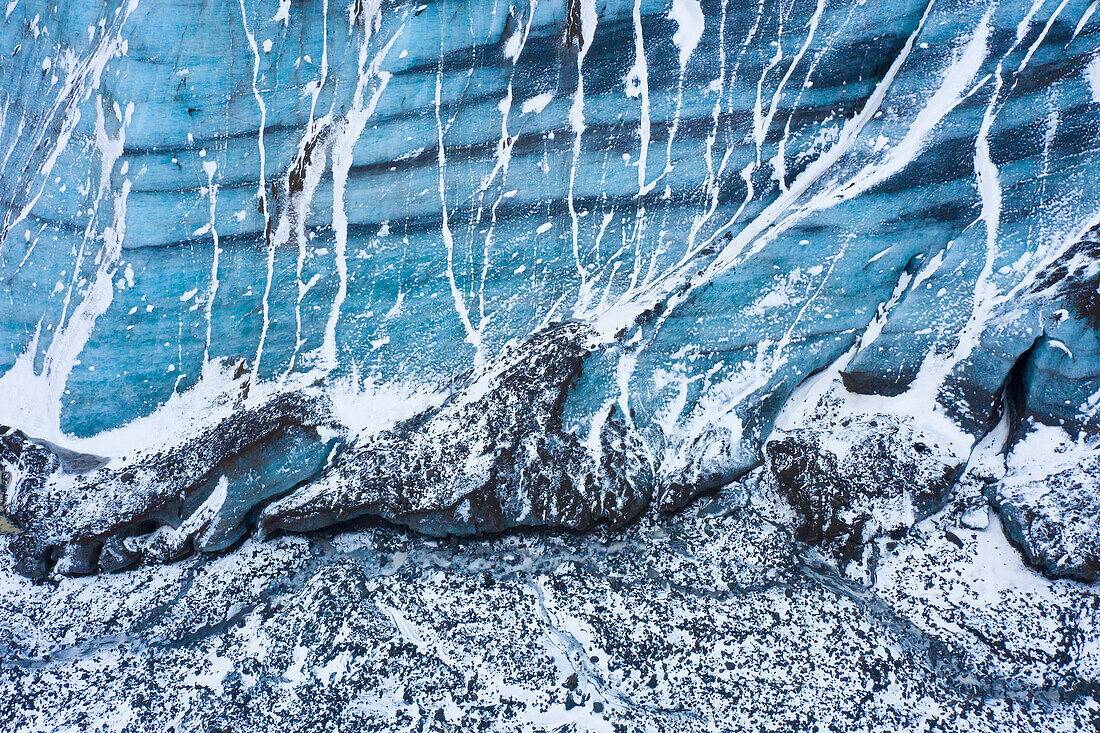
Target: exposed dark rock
x,y
1056,520
880,483
24,464
1049,502
496,455
198,491
1074,279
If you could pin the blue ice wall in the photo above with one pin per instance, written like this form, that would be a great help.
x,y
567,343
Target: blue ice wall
x,y
587,150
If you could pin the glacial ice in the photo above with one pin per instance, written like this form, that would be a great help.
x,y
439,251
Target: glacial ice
x,y
726,200
470,267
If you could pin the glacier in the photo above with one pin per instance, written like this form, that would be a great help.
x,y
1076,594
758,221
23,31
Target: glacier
x,y
604,365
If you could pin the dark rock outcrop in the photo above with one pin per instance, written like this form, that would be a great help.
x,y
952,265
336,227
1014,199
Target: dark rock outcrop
x,y
1049,501
195,493
496,455
880,483
1055,520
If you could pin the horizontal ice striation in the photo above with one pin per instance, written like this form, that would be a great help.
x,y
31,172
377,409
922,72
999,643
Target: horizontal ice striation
x,y
548,262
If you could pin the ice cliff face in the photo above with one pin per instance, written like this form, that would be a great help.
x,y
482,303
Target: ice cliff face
x,y
470,267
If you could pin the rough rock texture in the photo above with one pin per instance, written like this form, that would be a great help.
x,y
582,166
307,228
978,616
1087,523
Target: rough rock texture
x,y
711,619
495,455
1049,499
199,489
880,484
